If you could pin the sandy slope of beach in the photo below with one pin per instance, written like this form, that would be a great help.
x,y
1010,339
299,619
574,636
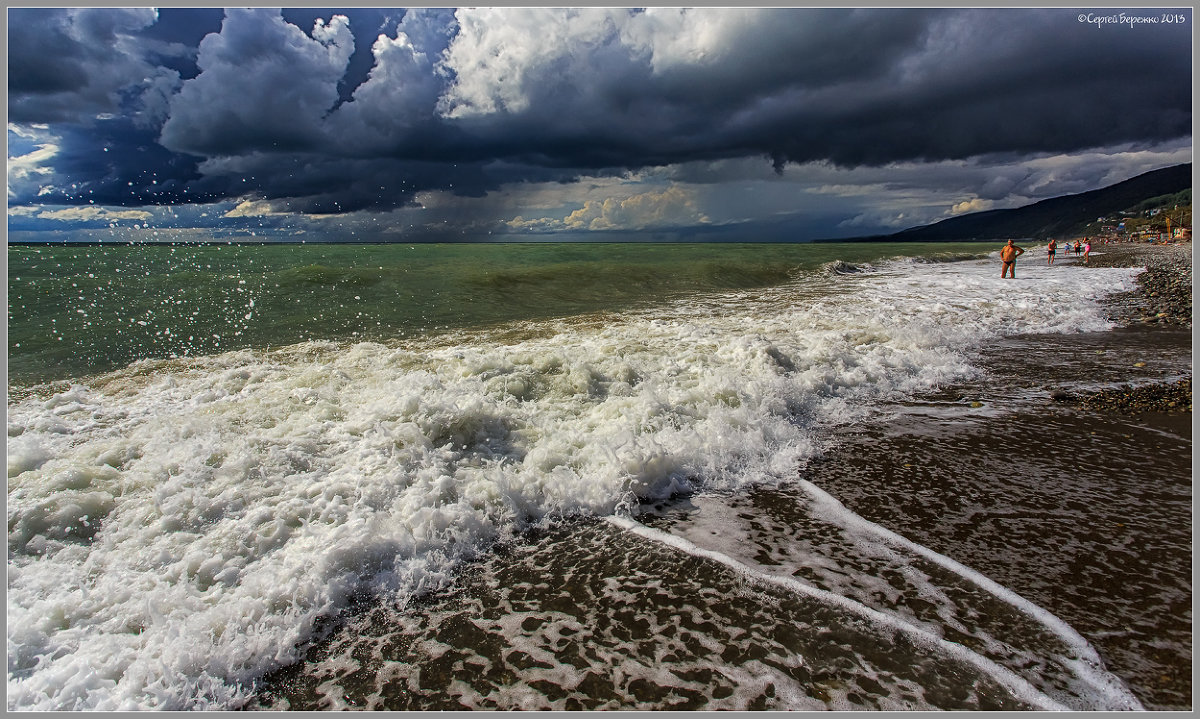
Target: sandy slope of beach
x,y
1066,476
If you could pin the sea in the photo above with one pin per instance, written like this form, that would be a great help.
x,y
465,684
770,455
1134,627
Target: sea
x,y
561,476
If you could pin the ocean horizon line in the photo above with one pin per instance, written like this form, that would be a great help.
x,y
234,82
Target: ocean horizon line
x,y
217,243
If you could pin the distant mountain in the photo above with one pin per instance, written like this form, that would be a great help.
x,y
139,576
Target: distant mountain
x,y
1058,216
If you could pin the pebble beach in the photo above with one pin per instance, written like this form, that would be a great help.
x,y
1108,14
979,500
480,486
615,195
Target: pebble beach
x,y
1065,475
1163,298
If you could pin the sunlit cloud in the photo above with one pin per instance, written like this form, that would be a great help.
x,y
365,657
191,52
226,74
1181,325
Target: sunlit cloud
x,y
973,205
672,207
253,208
30,166
91,213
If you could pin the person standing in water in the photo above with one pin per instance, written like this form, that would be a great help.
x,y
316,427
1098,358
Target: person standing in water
x,y
1008,255
1051,249
1087,249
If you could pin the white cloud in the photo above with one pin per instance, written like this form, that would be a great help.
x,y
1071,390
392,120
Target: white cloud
x,y
253,208
973,205
672,207
28,131
500,54
671,37
24,166
30,168
91,212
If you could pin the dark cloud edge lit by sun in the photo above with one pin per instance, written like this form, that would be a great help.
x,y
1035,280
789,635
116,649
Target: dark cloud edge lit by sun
x,y
541,123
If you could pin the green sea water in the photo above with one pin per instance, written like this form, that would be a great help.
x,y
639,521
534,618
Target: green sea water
x,y
74,311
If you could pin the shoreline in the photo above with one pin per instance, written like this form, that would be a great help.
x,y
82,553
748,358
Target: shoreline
x,y
1163,298
1072,485
1164,294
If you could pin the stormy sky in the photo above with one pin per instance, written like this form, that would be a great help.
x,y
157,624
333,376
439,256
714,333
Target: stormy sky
x,y
513,124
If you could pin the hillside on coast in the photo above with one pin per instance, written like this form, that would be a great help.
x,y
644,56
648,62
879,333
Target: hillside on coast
x,y
1068,215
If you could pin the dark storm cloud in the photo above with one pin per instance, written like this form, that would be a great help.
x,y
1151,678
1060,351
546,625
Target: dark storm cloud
x,y
31,72
855,87
995,84
182,28
366,24
115,162
303,182
330,111
70,65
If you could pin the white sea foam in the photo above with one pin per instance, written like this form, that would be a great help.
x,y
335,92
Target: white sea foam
x,y
1085,662
176,529
1016,684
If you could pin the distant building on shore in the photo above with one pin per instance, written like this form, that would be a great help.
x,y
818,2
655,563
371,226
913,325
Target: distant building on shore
x,y
1177,234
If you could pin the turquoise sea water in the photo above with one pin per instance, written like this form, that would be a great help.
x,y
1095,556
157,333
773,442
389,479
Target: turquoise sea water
x,y
75,311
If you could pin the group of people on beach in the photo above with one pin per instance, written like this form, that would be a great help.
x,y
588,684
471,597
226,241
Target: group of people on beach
x,y
1010,252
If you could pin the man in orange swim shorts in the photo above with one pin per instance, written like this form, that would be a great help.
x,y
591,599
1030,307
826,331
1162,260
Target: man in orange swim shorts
x,y
1008,255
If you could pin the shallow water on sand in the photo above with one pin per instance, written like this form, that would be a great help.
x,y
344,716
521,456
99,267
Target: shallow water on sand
x,y
592,617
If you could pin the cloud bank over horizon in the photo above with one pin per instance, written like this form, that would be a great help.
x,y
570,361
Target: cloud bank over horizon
x,y
506,123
